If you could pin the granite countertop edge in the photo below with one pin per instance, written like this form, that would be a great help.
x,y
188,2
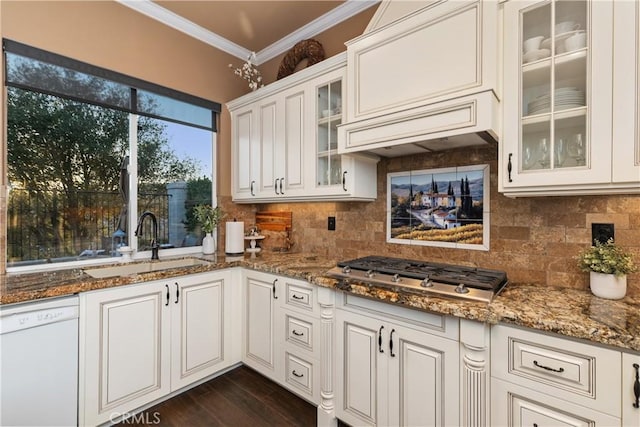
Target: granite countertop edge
x,y
574,313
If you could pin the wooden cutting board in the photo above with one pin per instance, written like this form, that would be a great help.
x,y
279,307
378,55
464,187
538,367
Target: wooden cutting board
x,y
274,221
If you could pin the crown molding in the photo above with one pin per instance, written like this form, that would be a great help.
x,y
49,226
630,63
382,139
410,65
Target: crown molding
x,y
341,13
324,22
165,16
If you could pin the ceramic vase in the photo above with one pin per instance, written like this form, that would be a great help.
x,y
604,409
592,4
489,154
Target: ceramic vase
x,y
208,244
608,286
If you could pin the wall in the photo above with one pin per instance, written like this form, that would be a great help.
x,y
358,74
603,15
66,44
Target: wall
x,y
110,35
533,239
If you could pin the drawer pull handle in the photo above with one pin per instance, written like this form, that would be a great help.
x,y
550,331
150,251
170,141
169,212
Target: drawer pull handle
x,y
636,386
294,296
380,339
296,333
535,362
297,374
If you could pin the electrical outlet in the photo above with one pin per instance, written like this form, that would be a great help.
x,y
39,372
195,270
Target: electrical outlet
x,y
331,223
601,232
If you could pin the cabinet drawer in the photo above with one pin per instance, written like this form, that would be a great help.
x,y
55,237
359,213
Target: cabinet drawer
x,y
581,373
515,406
299,295
299,374
299,332
555,366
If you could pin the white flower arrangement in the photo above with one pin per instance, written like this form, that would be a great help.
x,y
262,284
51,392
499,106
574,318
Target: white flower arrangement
x,y
249,72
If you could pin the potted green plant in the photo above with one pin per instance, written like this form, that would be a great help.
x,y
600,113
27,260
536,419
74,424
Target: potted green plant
x,y
208,218
608,266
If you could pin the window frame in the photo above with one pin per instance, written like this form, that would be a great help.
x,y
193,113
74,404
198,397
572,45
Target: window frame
x,y
135,84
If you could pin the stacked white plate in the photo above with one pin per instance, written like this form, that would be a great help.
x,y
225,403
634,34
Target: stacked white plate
x,y
564,98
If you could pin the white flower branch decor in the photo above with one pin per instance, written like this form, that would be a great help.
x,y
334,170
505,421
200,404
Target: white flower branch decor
x,y
249,72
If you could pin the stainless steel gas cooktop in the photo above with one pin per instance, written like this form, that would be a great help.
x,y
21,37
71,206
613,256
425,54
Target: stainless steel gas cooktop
x,y
422,277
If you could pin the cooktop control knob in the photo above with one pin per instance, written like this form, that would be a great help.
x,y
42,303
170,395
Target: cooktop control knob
x,y
395,278
462,289
346,269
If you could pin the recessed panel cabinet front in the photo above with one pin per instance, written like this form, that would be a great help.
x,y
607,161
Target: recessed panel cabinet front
x,y
630,390
141,342
198,329
260,304
127,339
391,374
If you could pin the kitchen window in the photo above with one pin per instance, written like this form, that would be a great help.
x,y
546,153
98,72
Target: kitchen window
x,y
89,150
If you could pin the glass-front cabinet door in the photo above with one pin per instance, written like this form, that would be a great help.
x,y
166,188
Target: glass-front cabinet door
x,y
329,116
557,93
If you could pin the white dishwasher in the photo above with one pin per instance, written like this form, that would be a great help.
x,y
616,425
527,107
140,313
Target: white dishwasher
x,y
39,363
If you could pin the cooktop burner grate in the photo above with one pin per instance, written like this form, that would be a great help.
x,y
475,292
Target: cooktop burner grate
x,y
449,280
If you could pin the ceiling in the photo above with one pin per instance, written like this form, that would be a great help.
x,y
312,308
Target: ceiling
x,y
240,27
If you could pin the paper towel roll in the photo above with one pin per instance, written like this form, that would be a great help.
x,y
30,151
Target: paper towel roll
x,y
234,239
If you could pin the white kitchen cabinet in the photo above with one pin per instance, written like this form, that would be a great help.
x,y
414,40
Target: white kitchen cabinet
x,y
630,390
141,342
419,82
246,153
559,93
281,332
517,406
393,373
284,142
259,327
548,380
626,102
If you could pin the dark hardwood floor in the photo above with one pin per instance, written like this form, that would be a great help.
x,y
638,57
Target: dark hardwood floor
x,y
241,397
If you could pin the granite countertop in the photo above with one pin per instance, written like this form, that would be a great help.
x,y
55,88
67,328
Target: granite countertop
x,y
570,312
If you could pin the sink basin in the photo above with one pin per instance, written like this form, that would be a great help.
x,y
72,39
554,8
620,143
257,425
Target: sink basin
x,y
142,267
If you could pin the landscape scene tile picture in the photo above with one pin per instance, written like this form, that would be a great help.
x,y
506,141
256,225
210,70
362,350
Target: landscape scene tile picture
x,y
439,207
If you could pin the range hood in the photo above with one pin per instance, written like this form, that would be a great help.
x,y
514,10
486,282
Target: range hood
x,y
423,81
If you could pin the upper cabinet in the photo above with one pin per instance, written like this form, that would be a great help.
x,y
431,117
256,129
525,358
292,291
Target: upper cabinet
x,y
425,81
562,93
284,141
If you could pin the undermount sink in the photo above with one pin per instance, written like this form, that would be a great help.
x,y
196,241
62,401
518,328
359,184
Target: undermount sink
x,y
142,267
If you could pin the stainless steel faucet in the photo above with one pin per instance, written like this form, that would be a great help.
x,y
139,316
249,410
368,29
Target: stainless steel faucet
x,y
154,241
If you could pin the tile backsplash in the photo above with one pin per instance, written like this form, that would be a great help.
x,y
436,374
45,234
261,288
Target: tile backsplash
x,y
533,239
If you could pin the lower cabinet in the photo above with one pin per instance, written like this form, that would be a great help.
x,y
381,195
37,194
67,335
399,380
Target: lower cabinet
x,y
517,406
630,390
543,380
141,342
391,372
281,332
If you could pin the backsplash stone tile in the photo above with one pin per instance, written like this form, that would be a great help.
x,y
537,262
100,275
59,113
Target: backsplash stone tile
x,y
533,239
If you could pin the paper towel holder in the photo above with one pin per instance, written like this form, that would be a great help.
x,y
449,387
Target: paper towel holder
x,y
234,241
